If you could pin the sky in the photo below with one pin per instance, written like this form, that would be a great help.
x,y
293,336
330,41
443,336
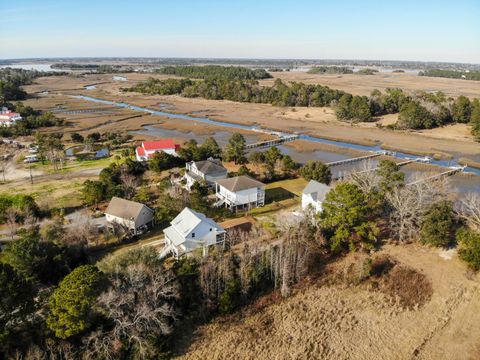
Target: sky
x,y
425,30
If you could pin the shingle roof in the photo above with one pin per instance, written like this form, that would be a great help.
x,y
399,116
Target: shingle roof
x,y
318,190
186,222
239,183
209,167
125,209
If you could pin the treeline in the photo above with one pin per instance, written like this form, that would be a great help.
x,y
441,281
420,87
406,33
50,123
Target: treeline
x,y
216,71
330,70
366,72
11,81
421,110
452,74
101,69
280,94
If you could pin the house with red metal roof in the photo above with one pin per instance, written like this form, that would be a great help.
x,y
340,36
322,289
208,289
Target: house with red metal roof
x,y
8,118
148,148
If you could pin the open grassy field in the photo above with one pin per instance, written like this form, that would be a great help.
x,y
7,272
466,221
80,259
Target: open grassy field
x,y
339,321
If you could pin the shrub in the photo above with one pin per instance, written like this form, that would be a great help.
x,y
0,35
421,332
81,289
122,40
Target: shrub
x,y
469,247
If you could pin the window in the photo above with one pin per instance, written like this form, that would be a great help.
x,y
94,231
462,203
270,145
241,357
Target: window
x,y
210,229
193,235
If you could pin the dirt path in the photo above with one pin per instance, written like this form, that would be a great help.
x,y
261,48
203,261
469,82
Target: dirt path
x,y
340,322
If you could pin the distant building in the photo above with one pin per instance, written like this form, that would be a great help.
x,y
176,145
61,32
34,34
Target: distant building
x,y
240,192
314,195
210,171
131,215
8,118
148,148
191,230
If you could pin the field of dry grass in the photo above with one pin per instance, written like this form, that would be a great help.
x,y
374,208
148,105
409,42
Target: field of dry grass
x,y
364,84
339,321
314,121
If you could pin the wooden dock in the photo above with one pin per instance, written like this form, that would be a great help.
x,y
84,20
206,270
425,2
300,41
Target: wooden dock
x,y
450,172
275,142
354,160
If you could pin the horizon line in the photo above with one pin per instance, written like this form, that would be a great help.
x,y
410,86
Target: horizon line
x,y
235,58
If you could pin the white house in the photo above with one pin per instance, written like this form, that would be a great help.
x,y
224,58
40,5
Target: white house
x,y
191,230
149,148
9,118
314,195
210,171
130,215
240,192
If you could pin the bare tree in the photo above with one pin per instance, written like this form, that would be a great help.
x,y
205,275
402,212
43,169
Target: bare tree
x,y
366,178
81,230
468,208
129,183
140,303
3,168
410,203
11,217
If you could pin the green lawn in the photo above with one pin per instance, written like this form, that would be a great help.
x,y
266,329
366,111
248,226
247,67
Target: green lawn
x,y
295,186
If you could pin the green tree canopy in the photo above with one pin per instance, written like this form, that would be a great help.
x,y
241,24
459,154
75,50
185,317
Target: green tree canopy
x,y
438,224
316,170
345,218
235,149
462,109
16,300
71,303
390,175
469,247
210,149
35,259
162,161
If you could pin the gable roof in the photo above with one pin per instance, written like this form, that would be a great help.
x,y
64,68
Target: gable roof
x,y
140,151
239,183
317,190
160,144
209,167
125,209
187,220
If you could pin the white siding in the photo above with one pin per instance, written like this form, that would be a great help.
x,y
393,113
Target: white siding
x,y
307,201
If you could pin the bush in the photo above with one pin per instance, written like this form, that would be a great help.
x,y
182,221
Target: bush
x,y
469,247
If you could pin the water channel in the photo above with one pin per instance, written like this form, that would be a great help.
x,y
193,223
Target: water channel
x,y
461,183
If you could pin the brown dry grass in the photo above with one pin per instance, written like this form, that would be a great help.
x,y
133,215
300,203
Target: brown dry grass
x,y
319,122
363,85
337,321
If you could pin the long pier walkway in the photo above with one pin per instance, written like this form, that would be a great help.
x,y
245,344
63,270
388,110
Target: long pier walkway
x,y
269,143
450,172
354,160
